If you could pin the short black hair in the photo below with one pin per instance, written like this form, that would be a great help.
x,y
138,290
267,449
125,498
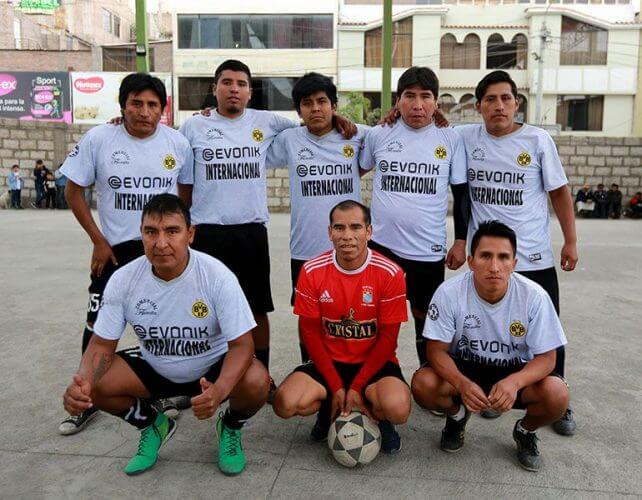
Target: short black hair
x,y
418,75
38,162
347,205
233,65
137,83
496,229
166,203
311,83
491,79
616,185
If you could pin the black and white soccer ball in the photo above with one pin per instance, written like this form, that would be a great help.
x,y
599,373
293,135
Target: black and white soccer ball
x,y
354,439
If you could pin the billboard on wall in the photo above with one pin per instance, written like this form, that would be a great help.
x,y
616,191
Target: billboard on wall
x,y
95,96
42,96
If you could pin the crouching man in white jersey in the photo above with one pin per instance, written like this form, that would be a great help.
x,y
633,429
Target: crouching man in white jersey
x,y
513,169
414,161
128,163
492,336
194,327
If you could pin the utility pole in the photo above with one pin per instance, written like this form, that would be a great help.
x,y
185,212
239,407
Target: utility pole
x,y
142,44
543,34
386,58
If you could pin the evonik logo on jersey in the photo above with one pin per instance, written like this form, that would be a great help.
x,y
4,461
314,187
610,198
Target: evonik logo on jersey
x,y
128,182
329,170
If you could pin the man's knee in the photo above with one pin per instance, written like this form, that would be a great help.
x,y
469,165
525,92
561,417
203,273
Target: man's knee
x,y
425,385
255,384
396,407
553,395
285,404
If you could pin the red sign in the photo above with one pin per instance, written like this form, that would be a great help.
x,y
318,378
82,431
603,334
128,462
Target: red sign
x,y
89,85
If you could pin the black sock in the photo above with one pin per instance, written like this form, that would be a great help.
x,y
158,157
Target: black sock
x,y
421,340
141,414
263,355
86,337
560,360
305,357
234,419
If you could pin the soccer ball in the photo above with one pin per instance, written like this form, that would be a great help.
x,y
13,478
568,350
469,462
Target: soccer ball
x,y
354,439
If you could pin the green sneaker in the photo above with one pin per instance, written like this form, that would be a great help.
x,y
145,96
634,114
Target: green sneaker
x,y
151,440
231,459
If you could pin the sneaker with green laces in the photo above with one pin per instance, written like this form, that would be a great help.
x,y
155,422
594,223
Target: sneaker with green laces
x,y
231,459
151,440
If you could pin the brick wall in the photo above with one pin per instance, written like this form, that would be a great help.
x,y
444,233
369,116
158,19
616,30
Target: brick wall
x,y
586,159
49,60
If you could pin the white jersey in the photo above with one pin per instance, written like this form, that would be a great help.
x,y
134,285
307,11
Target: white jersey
x,y
323,172
127,172
520,326
229,165
508,179
183,325
413,168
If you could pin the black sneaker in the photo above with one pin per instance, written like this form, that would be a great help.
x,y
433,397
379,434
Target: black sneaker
x,y
169,408
527,452
452,437
390,438
320,430
183,402
490,413
566,425
75,423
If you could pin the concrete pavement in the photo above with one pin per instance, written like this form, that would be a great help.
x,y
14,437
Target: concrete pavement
x,y
45,257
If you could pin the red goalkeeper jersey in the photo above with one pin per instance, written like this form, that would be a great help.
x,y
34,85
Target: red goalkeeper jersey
x,y
351,305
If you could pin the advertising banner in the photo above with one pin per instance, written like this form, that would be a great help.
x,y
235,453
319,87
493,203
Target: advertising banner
x,y
42,96
95,96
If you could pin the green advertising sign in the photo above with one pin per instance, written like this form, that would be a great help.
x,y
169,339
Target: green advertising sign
x,y
39,4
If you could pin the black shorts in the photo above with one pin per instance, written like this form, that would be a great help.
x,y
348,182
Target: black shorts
x,y
487,376
295,270
159,386
243,248
348,371
422,278
547,279
125,252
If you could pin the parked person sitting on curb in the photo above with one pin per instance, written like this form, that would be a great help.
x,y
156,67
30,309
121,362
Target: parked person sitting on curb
x,y
615,201
635,206
15,186
601,198
584,203
61,182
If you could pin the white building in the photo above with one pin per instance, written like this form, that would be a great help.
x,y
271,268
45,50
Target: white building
x,y
590,57
279,40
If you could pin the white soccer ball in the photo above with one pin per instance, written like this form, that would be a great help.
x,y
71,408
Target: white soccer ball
x,y
354,439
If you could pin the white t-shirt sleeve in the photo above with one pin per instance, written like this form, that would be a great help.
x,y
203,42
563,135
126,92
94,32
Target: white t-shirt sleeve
x,y
280,123
111,321
233,312
553,174
440,321
458,173
366,155
544,328
80,165
277,155
186,175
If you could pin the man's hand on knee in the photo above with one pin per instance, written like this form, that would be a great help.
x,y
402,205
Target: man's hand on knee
x,y
77,396
473,396
205,404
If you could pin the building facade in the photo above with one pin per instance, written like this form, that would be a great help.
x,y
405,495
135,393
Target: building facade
x,y
590,56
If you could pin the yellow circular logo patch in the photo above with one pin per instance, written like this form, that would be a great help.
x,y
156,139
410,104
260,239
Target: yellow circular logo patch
x,y
524,159
200,309
441,153
348,151
257,135
517,329
169,162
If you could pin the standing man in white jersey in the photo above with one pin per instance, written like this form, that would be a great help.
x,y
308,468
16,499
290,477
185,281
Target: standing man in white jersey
x,y
414,163
128,164
193,324
227,188
492,337
323,168
513,169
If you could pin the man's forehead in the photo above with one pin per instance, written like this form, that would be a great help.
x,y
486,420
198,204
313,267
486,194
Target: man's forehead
x,y
163,220
316,95
417,88
348,217
228,74
494,244
144,95
500,88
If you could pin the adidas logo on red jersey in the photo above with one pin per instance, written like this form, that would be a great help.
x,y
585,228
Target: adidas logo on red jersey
x,y
325,297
